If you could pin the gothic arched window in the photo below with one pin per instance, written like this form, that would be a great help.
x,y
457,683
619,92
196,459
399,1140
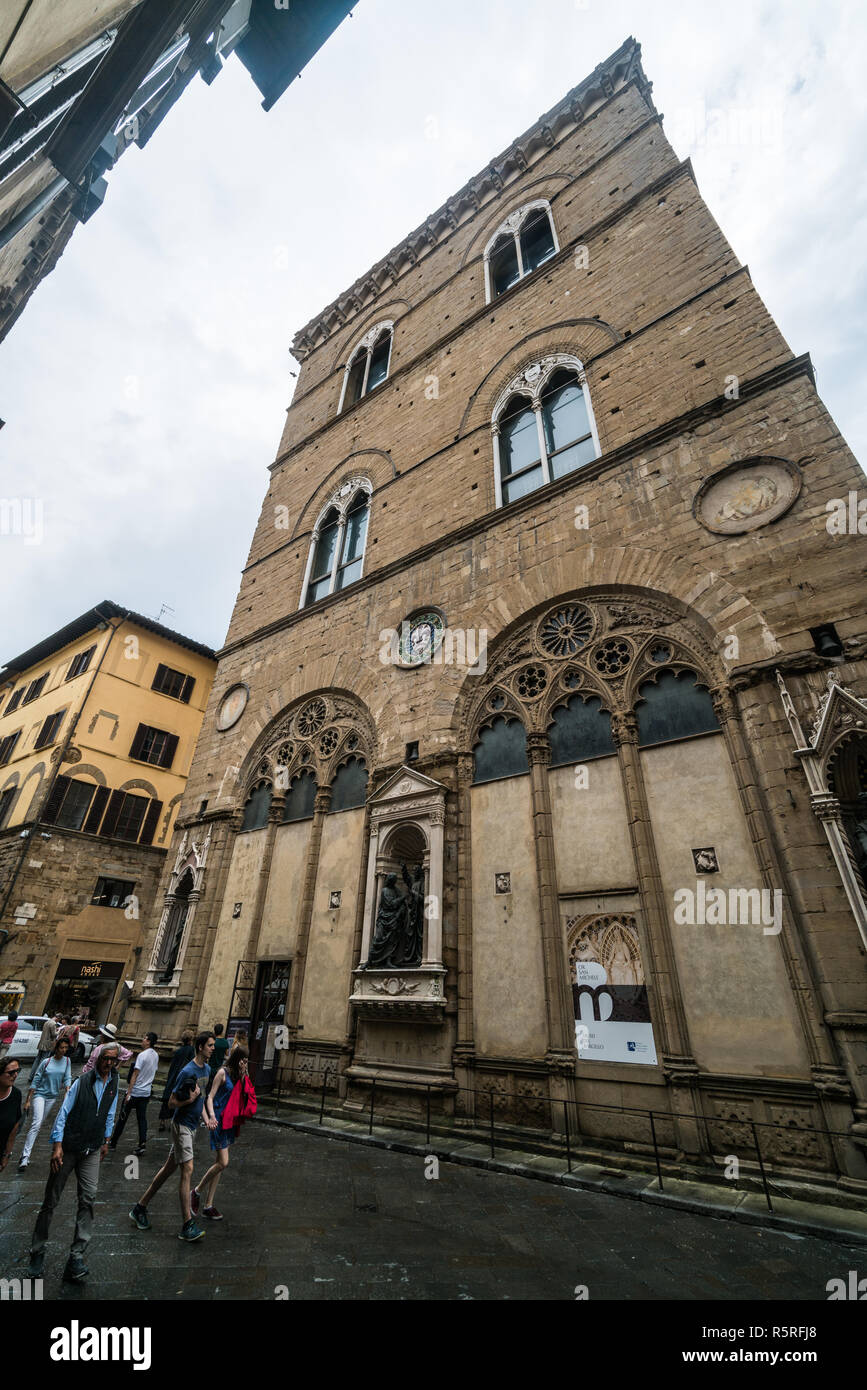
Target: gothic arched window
x,y
300,797
518,247
580,729
257,806
349,787
173,933
337,547
368,365
673,707
501,751
542,429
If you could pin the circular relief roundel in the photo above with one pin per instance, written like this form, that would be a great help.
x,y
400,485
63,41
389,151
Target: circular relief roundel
x,y
612,657
565,631
421,637
311,718
531,681
232,706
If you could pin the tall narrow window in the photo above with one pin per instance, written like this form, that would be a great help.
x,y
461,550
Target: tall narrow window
x,y
337,548
48,733
518,247
257,807
14,699
543,428
80,663
368,365
672,707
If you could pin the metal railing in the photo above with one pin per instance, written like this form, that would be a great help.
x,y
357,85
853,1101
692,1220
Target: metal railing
x,y
300,1089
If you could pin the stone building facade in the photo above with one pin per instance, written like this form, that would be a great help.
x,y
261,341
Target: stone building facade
x,y
543,597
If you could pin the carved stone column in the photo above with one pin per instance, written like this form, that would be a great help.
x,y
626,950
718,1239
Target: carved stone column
x,y
321,805
464,1050
558,991
679,1066
275,817
433,936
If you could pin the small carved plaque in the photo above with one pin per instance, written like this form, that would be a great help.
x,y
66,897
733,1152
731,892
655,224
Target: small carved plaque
x,y
503,883
236,910
705,861
334,899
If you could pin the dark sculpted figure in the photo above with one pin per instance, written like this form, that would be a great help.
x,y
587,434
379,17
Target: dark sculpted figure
x,y
399,930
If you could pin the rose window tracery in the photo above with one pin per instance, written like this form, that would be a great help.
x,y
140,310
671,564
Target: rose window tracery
x,y
328,742
612,657
565,631
311,718
531,682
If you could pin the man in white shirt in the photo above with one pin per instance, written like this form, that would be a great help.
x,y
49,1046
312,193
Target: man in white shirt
x,y
139,1092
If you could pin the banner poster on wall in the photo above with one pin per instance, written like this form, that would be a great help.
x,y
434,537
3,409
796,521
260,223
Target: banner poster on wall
x,y
612,1014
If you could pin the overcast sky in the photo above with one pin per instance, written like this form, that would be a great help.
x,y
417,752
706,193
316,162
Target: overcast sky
x,y
145,385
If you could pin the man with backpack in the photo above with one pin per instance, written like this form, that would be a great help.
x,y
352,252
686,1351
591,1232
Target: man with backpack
x,y
80,1141
186,1103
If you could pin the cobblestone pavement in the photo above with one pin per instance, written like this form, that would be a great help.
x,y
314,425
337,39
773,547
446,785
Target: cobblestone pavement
x,y
331,1220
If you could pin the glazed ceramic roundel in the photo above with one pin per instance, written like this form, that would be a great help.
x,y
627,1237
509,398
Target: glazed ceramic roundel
x,y
232,706
420,637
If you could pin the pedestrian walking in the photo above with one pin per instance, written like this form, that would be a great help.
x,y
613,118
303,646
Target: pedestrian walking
x,y
80,1141
179,1058
108,1034
241,1039
221,1047
139,1092
53,1078
8,1029
10,1107
71,1031
227,1077
187,1101
47,1039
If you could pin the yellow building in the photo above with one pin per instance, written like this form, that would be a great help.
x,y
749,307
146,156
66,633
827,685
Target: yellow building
x,y
97,729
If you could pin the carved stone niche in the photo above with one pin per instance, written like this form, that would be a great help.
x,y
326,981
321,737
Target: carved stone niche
x,y
407,822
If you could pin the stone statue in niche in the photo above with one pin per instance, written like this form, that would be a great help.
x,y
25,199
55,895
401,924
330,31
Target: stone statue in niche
x,y
399,929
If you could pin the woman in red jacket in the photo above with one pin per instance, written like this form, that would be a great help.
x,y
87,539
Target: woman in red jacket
x,y
231,1074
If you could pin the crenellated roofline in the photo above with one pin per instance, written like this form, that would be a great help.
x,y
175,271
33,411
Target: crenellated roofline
x,y
609,77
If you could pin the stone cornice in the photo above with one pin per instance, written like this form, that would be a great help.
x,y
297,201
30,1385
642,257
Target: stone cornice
x,y
608,79
718,405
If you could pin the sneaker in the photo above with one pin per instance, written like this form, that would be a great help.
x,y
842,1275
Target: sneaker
x,y
140,1150
190,1231
140,1217
25,1163
75,1270
194,1202
212,1214
37,1264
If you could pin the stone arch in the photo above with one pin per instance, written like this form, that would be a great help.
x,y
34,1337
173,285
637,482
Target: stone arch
x,y
37,771
138,784
532,679
357,329
319,730
89,770
372,471
167,816
593,337
487,228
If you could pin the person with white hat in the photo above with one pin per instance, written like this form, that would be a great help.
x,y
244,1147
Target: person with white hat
x,y
108,1033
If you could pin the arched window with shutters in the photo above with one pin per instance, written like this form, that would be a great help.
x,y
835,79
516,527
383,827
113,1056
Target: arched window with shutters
x,y
173,931
300,797
673,706
543,428
368,365
524,241
349,788
336,557
580,730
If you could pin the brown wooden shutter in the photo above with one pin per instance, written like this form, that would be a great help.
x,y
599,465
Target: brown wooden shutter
x,y
94,815
186,692
138,741
169,751
109,824
148,830
55,799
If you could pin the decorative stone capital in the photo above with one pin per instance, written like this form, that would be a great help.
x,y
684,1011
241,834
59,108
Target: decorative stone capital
x,y
322,800
466,769
832,1082
624,727
560,1062
438,817
825,806
680,1071
539,749
724,705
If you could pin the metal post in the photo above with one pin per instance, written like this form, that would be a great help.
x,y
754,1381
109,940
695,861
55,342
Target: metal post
x,y
655,1150
761,1165
491,1099
372,1094
322,1103
428,1115
568,1143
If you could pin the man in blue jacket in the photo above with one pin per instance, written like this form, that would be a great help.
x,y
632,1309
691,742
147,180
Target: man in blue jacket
x,y
80,1141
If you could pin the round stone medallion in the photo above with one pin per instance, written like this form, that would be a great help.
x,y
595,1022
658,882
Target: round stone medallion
x,y
746,495
232,706
421,636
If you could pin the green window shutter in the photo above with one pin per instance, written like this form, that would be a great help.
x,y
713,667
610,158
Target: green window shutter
x,y
150,823
94,815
